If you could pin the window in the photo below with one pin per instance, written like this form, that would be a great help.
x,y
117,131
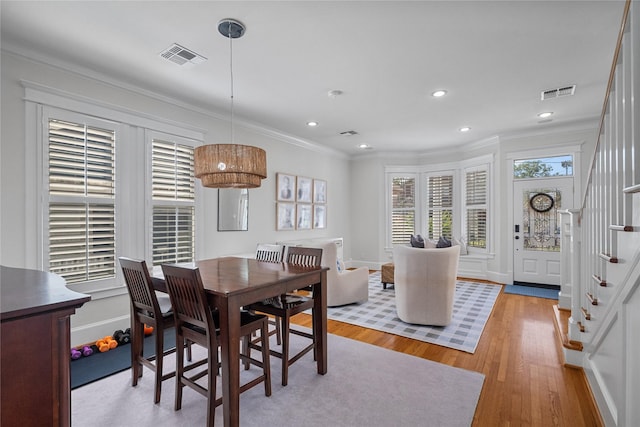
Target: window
x,y
476,208
543,167
403,211
440,206
81,211
173,194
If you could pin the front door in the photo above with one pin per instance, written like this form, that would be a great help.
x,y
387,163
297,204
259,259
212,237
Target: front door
x,y
536,258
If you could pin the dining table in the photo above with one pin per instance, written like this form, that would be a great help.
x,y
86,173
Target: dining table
x,y
234,282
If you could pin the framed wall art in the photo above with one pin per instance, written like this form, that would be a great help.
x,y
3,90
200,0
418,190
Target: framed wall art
x,y
304,189
319,216
285,188
285,216
319,191
303,217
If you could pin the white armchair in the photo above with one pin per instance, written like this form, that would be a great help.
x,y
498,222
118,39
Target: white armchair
x,y
344,286
425,284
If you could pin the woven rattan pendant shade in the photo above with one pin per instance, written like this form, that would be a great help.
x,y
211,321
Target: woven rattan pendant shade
x,y
230,165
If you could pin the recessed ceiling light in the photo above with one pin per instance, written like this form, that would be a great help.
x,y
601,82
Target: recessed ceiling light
x,y
312,124
364,146
439,93
545,114
464,129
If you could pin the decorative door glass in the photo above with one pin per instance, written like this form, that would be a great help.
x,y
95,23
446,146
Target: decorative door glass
x,y
541,229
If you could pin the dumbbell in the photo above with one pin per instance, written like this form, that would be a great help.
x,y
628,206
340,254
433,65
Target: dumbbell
x,y
87,351
75,354
122,337
148,330
106,344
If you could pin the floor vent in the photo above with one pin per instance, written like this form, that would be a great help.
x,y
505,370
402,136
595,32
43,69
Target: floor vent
x,y
558,92
181,55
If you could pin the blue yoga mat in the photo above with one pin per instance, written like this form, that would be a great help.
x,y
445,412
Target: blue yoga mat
x,y
100,365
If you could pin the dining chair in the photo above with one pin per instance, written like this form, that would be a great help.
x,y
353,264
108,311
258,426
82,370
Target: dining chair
x,y
152,309
289,305
198,323
271,253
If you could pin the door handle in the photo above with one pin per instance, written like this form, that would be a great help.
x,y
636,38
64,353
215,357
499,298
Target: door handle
x,y
517,237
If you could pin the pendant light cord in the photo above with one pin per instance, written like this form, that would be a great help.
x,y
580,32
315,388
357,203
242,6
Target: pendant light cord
x,y
231,81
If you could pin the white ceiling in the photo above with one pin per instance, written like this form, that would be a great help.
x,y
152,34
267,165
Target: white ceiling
x,y
493,57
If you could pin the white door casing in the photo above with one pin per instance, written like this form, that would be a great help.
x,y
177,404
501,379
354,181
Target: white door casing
x,y
536,232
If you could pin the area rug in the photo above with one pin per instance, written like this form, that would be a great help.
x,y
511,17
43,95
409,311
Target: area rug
x,y
365,386
531,291
472,306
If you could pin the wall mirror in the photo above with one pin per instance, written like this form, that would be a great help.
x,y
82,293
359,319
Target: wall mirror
x,y
233,209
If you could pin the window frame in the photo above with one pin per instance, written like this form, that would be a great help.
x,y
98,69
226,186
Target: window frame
x,y
466,207
42,101
151,203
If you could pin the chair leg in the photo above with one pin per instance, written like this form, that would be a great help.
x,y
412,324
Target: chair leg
x,y
278,331
246,350
285,349
212,366
159,359
266,364
137,346
179,370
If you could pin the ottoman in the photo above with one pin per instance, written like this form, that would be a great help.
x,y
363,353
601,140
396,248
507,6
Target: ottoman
x,y
387,275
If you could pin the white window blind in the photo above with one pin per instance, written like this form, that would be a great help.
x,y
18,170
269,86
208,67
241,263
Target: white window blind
x,y
173,193
403,216
476,208
81,163
440,206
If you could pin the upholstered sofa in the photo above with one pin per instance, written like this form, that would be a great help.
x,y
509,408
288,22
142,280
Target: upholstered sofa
x,y
425,284
343,286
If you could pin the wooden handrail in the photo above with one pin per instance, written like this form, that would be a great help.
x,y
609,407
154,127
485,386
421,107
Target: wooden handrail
x,y
625,16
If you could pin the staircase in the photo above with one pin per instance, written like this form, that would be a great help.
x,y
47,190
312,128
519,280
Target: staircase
x,y
598,313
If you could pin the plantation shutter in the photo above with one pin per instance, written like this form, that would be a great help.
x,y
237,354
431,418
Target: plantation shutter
x,y
476,208
403,217
173,193
440,206
81,167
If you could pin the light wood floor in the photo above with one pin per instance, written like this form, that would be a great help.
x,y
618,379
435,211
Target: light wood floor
x,y
519,353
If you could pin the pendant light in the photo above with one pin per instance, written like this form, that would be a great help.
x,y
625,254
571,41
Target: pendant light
x,y
230,165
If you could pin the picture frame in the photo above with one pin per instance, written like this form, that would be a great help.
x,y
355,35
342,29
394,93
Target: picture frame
x,y
285,216
285,187
303,216
319,216
304,189
319,191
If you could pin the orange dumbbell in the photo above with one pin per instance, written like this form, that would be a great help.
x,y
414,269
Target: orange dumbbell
x,y
148,330
106,344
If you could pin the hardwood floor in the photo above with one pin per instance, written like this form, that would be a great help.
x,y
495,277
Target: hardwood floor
x,y
519,354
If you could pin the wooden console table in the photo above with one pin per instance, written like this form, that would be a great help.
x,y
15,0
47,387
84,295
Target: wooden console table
x,y
35,310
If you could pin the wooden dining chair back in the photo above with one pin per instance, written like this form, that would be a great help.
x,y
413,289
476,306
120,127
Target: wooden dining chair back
x,y
269,252
152,310
301,255
289,305
197,322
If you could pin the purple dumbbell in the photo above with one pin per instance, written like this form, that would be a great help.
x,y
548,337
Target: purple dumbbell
x,y
87,351
75,354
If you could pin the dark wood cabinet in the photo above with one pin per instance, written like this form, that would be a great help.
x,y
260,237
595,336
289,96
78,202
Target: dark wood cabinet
x,y
35,385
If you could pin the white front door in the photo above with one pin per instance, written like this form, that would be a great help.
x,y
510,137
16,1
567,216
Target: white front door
x,y
536,257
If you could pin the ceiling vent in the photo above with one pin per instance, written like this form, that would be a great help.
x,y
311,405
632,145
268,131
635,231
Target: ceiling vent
x,y
181,55
558,93
349,133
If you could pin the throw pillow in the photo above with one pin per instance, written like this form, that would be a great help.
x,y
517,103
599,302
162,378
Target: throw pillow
x,y
462,244
417,241
443,242
430,243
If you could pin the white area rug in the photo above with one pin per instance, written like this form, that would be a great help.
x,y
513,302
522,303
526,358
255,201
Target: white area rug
x,y
365,386
471,308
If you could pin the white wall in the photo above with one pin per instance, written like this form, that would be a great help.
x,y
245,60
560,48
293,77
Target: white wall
x,y
368,199
109,310
355,187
